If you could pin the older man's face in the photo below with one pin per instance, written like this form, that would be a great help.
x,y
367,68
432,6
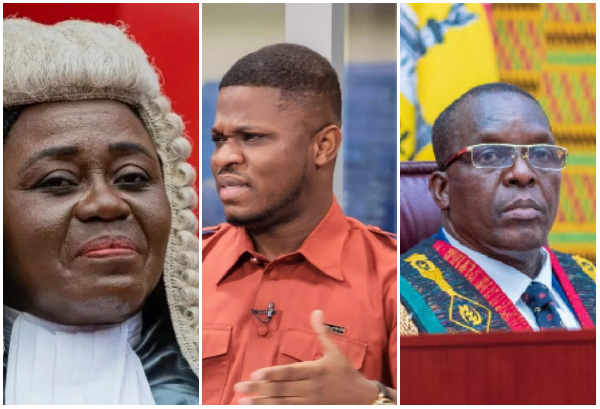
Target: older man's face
x,y
502,210
86,216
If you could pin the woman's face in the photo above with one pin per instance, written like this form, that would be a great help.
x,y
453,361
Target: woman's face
x,y
86,215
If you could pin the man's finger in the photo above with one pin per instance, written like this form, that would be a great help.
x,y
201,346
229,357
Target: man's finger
x,y
269,388
260,400
291,372
317,323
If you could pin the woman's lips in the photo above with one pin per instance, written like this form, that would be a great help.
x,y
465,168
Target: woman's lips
x,y
109,247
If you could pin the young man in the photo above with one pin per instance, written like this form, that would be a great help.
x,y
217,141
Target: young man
x,y
298,302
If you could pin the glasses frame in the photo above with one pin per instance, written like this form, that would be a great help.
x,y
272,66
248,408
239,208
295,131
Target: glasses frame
x,y
524,154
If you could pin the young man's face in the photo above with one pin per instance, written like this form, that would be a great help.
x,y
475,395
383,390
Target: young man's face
x,y
261,162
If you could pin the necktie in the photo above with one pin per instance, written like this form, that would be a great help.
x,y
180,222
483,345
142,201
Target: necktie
x,y
537,297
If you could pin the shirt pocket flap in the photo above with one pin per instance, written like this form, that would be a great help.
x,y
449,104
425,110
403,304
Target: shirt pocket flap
x,y
215,340
303,345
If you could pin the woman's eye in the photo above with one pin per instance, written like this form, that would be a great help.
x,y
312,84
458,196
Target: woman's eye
x,y
133,180
56,183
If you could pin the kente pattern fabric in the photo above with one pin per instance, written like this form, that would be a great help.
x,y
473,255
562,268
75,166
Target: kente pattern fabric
x,y
537,297
445,291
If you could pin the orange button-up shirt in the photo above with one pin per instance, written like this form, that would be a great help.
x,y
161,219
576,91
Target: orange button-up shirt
x,y
344,268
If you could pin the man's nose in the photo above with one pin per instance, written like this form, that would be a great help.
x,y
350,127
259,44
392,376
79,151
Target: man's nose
x,y
102,202
521,172
227,153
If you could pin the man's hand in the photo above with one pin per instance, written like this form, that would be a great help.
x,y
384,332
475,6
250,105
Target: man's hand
x,y
329,380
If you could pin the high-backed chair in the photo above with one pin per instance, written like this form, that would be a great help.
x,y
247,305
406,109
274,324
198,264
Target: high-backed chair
x,y
419,215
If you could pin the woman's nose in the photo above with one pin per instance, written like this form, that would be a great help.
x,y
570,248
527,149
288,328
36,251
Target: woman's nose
x,y
102,202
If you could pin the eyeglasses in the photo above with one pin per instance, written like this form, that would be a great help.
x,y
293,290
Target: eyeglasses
x,y
503,155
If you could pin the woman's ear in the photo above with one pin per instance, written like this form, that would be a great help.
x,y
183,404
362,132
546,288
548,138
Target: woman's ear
x,y
326,144
438,188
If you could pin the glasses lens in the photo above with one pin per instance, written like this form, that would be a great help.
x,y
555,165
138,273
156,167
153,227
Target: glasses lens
x,y
547,157
492,156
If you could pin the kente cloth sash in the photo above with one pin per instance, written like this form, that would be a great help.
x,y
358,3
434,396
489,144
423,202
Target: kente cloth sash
x,y
446,291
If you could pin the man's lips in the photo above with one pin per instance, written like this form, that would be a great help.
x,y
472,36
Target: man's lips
x,y
522,209
230,187
118,246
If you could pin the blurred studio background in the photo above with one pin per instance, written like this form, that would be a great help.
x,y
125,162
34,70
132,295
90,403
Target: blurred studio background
x,y
362,40
548,50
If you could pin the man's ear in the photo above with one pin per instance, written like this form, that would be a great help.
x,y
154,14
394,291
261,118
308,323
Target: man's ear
x,y
439,189
326,144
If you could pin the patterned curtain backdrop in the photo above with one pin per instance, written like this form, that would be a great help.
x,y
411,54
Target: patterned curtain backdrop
x,y
550,50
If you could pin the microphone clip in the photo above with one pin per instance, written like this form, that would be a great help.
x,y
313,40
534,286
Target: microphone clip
x,y
269,312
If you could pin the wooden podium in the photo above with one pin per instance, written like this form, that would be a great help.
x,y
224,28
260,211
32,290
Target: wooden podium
x,y
552,367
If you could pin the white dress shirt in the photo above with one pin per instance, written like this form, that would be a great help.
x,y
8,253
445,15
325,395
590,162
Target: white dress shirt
x,y
514,283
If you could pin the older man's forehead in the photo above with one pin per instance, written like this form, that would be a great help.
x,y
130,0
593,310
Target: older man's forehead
x,y
485,116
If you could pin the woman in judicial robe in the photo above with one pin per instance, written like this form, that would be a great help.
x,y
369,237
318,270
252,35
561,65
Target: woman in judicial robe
x,y
100,244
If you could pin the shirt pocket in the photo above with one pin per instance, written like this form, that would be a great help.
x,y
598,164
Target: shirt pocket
x,y
301,344
215,362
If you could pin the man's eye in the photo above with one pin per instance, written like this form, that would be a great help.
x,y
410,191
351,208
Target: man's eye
x,y
540,154
252,136
489,155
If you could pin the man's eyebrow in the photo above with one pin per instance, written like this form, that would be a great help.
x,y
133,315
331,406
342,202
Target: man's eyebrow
x,y
129,147
236,131
53,152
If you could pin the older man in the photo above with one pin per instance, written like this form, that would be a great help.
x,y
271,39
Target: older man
x,y
489,267
298,301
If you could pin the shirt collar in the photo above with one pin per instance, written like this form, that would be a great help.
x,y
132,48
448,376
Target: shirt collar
x,y
509,279
322,248
10,315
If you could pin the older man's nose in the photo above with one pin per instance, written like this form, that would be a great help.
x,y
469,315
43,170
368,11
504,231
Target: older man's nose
x,y
102,203
521,172
227,154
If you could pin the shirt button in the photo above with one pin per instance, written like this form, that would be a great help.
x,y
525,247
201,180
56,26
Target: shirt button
x,y
274,275
263,330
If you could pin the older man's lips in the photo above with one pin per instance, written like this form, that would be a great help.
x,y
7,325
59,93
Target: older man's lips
x,y
110,247
522,210
231,187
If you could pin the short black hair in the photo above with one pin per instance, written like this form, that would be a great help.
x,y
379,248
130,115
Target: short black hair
x,y
442,136
302,75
